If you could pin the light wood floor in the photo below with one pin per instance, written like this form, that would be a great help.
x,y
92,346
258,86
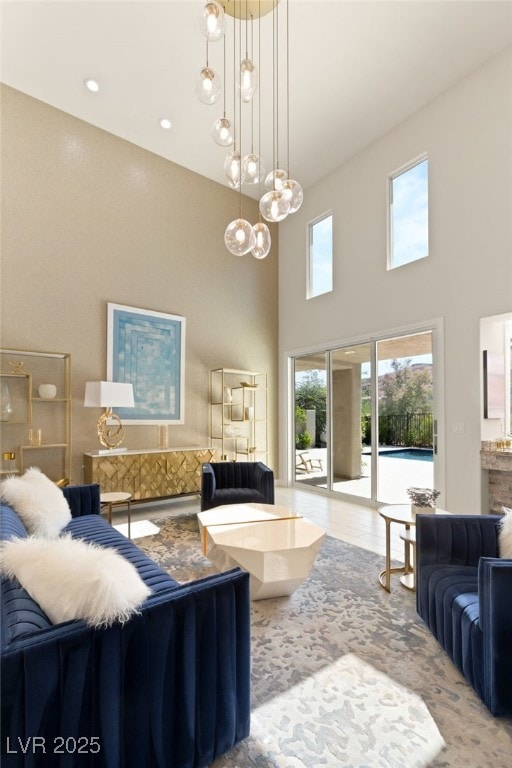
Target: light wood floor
x,y
348,522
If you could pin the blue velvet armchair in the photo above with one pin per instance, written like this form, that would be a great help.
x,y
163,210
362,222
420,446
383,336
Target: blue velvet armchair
x,y
464,595
236,483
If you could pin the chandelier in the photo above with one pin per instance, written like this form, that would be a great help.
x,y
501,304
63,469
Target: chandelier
x,y
247,75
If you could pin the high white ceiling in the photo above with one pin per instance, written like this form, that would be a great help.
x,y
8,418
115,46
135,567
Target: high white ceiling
x,y
357,69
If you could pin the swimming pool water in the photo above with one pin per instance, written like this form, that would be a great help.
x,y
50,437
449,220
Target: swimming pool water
x,y
417,454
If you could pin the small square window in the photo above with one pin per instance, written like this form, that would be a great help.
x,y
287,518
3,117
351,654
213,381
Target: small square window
x,y
320,256
408,191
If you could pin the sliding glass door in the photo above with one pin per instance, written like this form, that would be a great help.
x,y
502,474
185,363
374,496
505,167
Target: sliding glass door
x,y
406,416
364,418
310,403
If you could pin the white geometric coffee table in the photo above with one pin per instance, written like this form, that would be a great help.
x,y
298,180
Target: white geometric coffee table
x,y
275,545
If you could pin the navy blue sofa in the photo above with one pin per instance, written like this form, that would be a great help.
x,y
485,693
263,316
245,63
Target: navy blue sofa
x,y
236,482
168,689
464,595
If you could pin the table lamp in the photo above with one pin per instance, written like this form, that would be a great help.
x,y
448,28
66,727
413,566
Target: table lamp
x,y
108,395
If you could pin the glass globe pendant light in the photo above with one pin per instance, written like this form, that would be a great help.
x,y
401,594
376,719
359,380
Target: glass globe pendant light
x,y
248,80
208,86
244,163
233,169
275,178
263,241
274,206
222,133
252,168
211,21
239,237
293,191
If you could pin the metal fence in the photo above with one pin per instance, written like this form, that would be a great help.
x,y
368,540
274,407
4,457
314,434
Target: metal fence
x,y
401,429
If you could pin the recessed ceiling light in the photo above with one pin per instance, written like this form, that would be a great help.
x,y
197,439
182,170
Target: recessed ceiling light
x,y
91,85
165,123
350,352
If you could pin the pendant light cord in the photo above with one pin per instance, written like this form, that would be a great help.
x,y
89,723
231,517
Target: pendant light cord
x,y
259,108
246,44
240,108
288,89
277,86
224,75
252,100
274,90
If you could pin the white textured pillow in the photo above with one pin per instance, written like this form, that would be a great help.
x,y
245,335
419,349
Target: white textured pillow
x,y
72,579
40,504
505,534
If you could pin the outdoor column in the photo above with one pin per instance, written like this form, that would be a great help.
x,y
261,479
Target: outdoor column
x,y
346,422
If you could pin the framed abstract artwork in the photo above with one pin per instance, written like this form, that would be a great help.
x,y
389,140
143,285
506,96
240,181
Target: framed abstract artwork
x,y
147,350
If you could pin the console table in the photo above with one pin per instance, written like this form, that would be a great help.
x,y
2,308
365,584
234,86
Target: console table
x,y
148,474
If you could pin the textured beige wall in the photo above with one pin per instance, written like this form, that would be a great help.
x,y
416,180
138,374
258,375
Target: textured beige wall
x,y
89,218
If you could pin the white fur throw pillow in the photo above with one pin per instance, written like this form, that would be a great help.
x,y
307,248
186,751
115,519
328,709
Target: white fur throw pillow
x,y
72,579
41,505
505,534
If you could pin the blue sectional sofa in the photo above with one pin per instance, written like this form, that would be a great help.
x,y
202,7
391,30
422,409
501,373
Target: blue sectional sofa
x,y
168,689
464,595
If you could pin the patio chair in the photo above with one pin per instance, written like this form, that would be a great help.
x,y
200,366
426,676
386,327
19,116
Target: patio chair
x,y
306,463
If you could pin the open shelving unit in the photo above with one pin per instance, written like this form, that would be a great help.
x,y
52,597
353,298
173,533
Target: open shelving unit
x,y
238,414
23,371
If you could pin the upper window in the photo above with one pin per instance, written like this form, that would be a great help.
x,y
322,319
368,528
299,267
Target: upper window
x,y
408,191
320,256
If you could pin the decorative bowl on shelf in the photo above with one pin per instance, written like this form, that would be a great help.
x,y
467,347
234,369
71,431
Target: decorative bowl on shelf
x,y
248,385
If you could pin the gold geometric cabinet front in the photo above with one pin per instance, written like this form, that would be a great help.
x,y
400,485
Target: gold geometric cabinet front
x,y
149,474
119,472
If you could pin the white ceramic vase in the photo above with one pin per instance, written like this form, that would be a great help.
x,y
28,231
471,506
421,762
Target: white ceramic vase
x,y
47,391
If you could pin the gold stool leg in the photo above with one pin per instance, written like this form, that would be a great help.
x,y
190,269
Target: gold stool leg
x,y
385,575
407,554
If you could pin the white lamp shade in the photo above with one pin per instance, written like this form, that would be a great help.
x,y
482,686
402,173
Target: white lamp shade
x,y
108,394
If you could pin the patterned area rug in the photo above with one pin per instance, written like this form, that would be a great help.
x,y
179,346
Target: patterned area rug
x,y
345,674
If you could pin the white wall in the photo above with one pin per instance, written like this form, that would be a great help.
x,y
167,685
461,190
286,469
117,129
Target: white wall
x,y
467,133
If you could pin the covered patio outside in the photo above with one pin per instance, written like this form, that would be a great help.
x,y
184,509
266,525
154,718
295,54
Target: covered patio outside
x,y
339,390
397,474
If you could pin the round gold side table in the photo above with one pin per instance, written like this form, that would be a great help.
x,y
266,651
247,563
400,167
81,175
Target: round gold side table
x,y
398,513
401,513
